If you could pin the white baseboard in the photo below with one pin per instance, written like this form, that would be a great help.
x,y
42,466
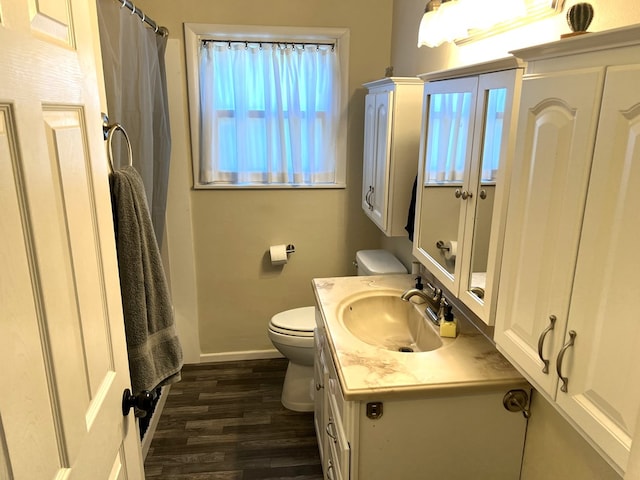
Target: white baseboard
x,y
234,356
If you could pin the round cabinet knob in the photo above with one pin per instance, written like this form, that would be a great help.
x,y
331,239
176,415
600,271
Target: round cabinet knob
x,y
462,194
517,401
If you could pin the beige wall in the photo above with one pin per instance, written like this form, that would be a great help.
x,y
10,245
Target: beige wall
x,y
237,290
554,450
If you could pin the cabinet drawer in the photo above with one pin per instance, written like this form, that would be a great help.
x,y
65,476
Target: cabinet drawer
x,y
333,384
338,450
333,472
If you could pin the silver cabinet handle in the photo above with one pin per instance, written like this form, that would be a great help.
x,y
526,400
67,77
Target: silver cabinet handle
x,y
483,194
331,431
543,335
565,380
319,386
367,197
458,193
373,191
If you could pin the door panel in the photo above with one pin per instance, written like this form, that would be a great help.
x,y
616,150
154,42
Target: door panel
x,y
61,330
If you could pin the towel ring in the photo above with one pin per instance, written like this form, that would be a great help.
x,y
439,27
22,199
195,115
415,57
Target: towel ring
x,y
111,130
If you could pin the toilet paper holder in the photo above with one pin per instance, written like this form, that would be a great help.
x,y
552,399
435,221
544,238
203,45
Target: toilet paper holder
x,y
441,245
279,254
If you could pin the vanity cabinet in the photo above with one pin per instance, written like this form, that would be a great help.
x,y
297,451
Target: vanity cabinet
x,y
391,143
468,117
568,308
453,434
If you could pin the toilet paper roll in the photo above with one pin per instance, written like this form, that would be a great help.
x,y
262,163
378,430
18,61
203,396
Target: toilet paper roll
x,y
451,249
278,254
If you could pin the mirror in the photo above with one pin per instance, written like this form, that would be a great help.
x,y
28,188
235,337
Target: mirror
x,y
495,103
448,149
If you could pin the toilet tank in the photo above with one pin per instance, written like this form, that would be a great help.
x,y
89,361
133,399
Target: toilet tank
x,y
378,262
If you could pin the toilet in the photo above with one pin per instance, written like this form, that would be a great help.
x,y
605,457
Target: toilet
x,y
291,332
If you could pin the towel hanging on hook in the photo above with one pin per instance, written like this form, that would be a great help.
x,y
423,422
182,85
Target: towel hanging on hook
x,y
108,131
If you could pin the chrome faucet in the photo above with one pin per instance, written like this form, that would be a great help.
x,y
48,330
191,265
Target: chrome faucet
x,y
432,298
412,292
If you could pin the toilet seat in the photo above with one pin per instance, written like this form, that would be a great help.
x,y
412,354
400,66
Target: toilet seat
x,y
297,322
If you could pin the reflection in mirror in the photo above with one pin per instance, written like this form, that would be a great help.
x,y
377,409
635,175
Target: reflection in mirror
x,y
447,151
491,149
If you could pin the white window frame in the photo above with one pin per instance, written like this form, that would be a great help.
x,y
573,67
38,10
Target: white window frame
x,y
194,33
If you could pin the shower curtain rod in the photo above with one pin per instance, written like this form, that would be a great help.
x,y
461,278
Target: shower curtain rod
x,y
157,29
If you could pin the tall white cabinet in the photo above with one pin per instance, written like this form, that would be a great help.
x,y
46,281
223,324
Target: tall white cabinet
x,y
391,144
569,304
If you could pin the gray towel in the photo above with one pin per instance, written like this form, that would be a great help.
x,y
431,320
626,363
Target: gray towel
x,y
155,354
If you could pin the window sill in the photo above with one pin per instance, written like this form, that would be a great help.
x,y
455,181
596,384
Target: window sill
x,y
332,186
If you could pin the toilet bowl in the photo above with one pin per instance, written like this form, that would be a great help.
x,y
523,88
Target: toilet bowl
x,y
291,332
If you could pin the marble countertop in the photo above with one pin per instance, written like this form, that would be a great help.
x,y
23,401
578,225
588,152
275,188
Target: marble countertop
x,y
468,361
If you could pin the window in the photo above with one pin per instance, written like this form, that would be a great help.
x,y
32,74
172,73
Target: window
x,y
268,106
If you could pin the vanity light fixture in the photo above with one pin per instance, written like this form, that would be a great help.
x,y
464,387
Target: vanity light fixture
x,y
448,20
440,23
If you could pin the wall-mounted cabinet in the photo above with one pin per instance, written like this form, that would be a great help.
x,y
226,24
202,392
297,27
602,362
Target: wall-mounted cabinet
x,y
568,307
466,141
391,145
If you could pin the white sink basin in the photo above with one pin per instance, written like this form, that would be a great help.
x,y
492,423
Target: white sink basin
x,y
386,321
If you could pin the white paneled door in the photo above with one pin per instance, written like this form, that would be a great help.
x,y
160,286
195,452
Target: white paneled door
x,y
63,361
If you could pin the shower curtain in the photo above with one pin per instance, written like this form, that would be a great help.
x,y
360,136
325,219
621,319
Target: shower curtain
x,y
136,88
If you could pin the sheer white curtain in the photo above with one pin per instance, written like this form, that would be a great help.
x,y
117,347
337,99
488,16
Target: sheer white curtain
x,y
268,113
449,136
494,126
136,88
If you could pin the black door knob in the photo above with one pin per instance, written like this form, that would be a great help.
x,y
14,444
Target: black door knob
x,y
143,402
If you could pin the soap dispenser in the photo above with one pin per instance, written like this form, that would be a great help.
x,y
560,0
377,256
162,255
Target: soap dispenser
x,y
448,324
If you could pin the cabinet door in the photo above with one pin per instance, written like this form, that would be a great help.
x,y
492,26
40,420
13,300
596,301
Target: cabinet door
x,y
320,377
378,197
377,142
603,366
486,205
368,167
557,121
444,174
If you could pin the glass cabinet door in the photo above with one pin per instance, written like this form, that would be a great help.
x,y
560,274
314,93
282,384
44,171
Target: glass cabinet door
x,y
484,227
486,188
447,150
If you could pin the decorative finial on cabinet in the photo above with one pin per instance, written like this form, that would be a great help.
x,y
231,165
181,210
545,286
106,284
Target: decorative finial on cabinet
x,y
579,18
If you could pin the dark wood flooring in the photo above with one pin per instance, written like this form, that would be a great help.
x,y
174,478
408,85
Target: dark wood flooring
x,y
224,421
